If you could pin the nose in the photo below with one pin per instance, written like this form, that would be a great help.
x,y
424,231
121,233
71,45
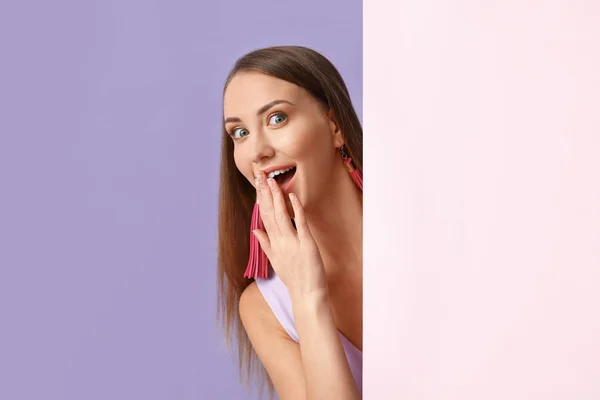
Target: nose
x,y
261,147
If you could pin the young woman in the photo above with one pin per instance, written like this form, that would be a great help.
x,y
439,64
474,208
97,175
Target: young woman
x,y
292,143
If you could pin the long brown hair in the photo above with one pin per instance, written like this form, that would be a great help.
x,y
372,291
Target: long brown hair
x,y
316,74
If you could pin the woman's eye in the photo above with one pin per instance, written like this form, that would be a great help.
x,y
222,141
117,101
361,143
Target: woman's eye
x,y
239,133
277,119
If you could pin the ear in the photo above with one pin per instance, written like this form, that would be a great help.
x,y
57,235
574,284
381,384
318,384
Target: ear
x,y
334,127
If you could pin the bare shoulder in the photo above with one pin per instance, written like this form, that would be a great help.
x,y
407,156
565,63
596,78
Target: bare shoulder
x,y
279,354
252,304
257,316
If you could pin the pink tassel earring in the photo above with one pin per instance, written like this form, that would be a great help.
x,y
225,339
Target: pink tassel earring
x,y
258,263
355,174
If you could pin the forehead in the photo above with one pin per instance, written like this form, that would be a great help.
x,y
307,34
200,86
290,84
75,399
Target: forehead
x,y
248,91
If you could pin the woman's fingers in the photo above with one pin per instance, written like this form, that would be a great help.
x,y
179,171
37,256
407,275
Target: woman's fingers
x,y
282,217
300,218
265,201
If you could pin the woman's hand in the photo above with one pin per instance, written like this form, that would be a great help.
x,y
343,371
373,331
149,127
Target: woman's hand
x,y
294,255
296,259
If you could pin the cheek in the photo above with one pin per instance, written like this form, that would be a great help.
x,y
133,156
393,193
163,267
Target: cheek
x,y
317,151
300,146
310,141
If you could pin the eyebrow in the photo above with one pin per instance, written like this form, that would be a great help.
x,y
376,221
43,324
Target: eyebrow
x,y
260,110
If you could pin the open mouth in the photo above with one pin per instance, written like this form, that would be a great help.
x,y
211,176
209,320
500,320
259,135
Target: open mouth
x,y
285,177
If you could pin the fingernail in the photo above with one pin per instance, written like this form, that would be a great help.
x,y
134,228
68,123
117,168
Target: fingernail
x,y
271,182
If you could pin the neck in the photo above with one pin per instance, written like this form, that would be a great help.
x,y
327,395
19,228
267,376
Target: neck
x,y
336,225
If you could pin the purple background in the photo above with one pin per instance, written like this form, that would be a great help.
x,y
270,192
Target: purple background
x,y
108,175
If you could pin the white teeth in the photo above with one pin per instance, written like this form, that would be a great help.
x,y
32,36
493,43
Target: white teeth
x,y
279,171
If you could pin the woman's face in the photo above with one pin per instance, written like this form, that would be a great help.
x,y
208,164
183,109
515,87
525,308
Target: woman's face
x,y
275,124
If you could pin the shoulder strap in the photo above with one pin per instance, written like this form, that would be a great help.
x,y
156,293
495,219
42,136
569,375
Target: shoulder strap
x,y
278,298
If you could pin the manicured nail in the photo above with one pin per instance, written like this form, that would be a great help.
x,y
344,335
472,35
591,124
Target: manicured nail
x,y
271,182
